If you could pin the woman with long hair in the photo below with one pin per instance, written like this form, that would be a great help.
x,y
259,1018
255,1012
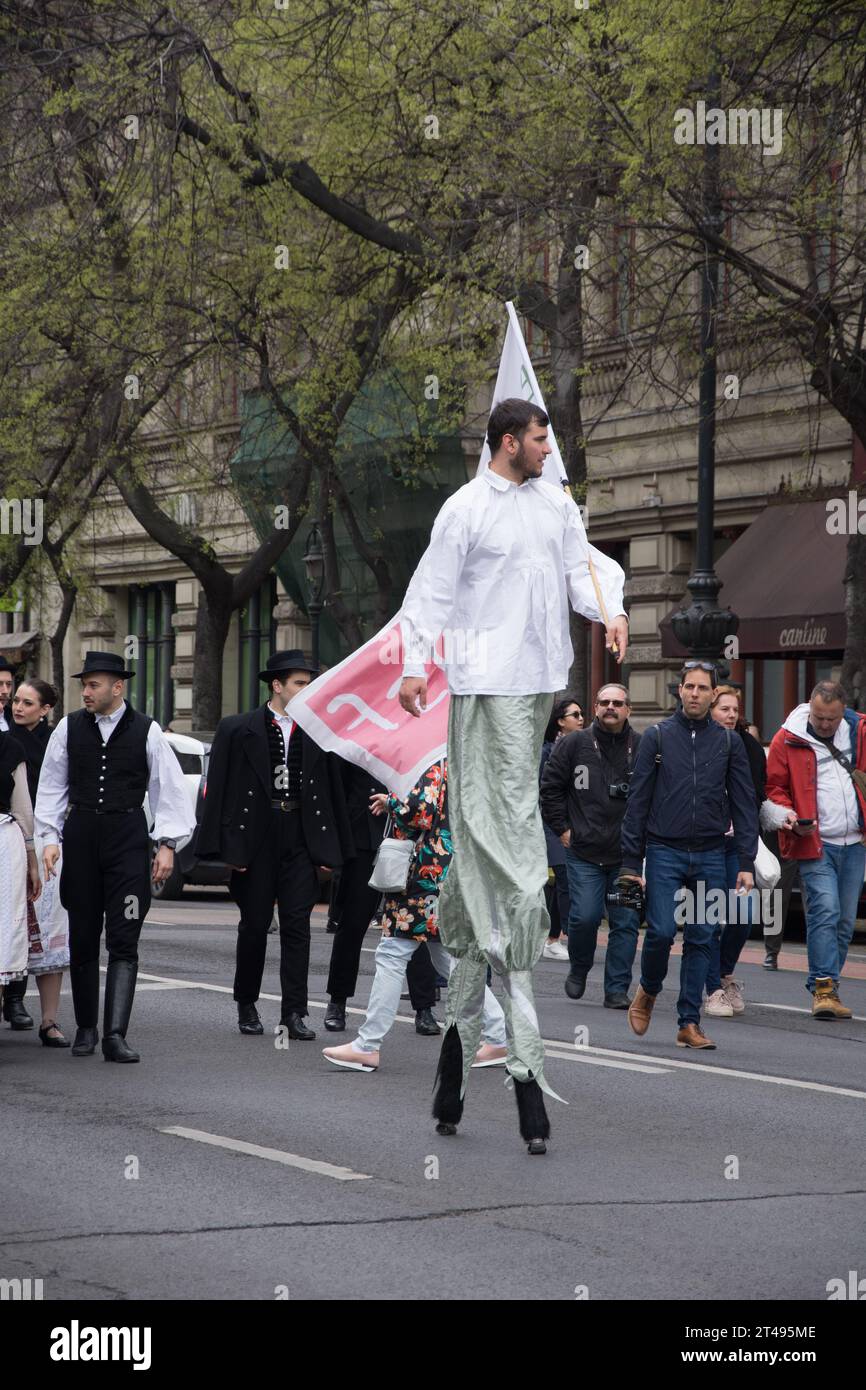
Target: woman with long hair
x,y
566,718
47,922
724,993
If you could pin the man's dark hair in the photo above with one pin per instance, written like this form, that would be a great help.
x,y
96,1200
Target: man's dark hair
x,y
828,691
690,670
512,417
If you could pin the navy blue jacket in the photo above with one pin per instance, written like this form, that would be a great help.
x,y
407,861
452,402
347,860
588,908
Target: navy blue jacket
x,y
689,800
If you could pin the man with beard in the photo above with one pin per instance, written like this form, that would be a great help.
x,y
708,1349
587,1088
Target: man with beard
x,y
584,790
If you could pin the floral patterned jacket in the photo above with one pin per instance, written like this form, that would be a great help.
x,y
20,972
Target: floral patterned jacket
x,y
422,817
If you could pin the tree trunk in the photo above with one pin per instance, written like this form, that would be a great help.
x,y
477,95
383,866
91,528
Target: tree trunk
x,y
854,661
55,642
211,630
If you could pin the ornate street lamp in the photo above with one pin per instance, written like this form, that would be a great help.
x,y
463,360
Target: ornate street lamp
x,y
704,626
314,564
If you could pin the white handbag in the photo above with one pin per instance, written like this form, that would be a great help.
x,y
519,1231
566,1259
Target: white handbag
x,y
392,864
767,868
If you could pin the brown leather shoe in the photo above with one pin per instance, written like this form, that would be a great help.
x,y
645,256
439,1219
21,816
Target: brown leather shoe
x,y
826,1002
694,1036
640,1011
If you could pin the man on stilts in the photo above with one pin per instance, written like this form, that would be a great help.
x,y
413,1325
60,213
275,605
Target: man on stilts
x,y
507,553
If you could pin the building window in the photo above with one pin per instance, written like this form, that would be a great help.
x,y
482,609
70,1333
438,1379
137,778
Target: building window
x,y
151,690
257,639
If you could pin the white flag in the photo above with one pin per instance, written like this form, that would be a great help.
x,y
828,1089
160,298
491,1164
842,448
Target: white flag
x,y
516,378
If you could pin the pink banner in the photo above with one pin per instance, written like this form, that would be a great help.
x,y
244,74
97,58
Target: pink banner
x,y
353,710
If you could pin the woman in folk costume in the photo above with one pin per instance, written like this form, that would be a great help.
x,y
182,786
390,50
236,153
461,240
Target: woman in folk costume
x,y
19,874
410,918
507,553
47,921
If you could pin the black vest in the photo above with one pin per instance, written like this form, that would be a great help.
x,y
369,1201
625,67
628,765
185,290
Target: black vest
x,y
285,770
108,776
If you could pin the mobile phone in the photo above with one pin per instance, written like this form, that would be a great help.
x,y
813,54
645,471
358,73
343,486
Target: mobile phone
x,y
804,823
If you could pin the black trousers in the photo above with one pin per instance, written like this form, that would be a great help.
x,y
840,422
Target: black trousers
x,y
353,909
105,876
282,870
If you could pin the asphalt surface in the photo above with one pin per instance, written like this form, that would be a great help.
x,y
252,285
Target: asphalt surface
x,y
631,1201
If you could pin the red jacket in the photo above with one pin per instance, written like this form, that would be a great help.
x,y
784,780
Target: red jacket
x,y
792,781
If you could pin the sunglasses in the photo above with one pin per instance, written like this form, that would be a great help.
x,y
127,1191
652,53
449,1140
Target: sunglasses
x,y
700,666
573,714
617,704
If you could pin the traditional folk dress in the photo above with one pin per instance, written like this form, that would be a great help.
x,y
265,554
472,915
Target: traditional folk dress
x,y
16,835
47,918
503,562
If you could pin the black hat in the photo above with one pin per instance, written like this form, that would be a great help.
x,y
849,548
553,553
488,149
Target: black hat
x,y
103,663
4,665
286,661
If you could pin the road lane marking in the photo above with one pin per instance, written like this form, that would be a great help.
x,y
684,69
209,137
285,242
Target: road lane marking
x,y
310,1165
561,1043
578,1054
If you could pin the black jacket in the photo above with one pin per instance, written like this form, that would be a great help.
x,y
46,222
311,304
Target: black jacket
x,y
359,786
689,799
757,765
237,805
583,804
34,742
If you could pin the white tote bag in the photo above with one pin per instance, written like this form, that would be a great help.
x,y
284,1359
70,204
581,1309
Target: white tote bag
x,y
392,864
767,868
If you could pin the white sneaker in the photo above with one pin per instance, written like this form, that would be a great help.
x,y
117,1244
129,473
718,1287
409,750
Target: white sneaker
x,y
554,950
717,1005
733,992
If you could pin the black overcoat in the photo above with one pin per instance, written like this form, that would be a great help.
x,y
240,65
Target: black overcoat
x,y
238,815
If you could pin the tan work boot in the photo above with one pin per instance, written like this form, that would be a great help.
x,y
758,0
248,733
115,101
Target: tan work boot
x,y
825,1001
692,1035
640,1011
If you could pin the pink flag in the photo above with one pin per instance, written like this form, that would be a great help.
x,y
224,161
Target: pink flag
x,y
353,710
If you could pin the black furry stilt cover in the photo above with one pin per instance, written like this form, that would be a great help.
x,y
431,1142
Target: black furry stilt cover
x,y
447,1105
534,1123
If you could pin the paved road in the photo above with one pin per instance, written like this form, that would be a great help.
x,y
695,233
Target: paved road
x,y
631,1202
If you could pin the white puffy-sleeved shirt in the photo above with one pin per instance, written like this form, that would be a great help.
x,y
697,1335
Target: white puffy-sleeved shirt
x,y
503,562
166,791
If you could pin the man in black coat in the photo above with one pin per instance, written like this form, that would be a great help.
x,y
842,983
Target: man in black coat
x,y
584,791
274,809
355,904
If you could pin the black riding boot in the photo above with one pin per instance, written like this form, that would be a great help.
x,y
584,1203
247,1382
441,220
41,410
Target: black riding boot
x,y
14,1011
119,993
84,983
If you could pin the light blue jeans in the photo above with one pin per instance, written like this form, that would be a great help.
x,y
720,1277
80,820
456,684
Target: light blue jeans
x,y
392,956
831,889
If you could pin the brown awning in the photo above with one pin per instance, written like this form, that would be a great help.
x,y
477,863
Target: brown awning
x,y
784,578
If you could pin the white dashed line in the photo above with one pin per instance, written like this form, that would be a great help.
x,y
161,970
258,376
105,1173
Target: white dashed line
x,y
310,1165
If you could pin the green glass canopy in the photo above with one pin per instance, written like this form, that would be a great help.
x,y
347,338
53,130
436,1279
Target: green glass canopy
x,y
397,468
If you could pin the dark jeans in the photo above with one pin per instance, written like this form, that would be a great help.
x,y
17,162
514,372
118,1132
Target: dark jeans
x,y
558,902
729,940
282,870
667,871
588,884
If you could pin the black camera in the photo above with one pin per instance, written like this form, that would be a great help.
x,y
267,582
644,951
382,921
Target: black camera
x,y
627,893
618,791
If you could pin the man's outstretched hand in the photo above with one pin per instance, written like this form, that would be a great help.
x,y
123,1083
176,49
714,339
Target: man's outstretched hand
x,y
413,688
617,636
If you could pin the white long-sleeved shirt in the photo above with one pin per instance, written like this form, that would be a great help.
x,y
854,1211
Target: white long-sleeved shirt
x,y
166,792
495,582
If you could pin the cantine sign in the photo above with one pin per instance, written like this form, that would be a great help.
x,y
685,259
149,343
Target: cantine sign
x,y
808,636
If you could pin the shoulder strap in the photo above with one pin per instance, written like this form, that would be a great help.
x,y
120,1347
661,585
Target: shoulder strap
x,y
658,733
